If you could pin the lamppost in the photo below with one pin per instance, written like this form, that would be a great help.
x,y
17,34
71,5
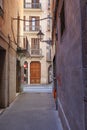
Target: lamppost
x,y
40,35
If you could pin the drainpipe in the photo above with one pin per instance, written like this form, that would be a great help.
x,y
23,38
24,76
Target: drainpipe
x,y
8,69
18,28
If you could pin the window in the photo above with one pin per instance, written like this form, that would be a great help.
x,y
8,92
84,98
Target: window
x,y
35,43
27,4
34,24
62,19
26,24
35,46
35,4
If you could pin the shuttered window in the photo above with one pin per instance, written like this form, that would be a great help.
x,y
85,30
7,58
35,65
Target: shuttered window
x,y
34,24
24,22
35,3
35,43
24,43
35,46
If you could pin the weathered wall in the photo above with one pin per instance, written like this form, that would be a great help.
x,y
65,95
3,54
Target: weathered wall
x,y
84,53
69,67
11,9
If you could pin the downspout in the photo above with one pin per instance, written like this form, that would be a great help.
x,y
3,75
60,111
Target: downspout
x,y
18,28
8,70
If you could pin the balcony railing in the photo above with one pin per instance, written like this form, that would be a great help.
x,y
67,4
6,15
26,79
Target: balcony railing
x,y
36,52
23,46
28,28
32,5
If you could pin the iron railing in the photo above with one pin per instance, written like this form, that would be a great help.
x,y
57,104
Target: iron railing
x,y
32,5
28,28
36,52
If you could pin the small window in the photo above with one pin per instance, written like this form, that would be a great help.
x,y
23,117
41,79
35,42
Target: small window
x,y
62,19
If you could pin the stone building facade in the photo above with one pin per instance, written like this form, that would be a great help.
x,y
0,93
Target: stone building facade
x,y
39,61
9,9
69,37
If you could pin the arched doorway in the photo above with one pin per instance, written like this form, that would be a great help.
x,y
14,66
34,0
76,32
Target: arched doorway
x,y
35,72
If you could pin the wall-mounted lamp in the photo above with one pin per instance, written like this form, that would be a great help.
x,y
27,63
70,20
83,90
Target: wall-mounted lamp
x,y
40,35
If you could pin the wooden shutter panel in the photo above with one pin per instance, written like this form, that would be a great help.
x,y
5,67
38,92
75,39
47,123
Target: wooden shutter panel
x,y
37,23
30,23
24,22
32,43
24,42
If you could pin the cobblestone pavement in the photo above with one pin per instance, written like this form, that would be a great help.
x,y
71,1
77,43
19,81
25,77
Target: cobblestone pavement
x,y
31,111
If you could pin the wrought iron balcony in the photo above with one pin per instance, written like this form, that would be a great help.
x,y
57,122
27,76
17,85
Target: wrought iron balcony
x,y
23,47
28,5
28,28
36,52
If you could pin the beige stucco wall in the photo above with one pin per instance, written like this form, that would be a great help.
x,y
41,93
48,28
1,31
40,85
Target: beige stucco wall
x,y
11,9
43,13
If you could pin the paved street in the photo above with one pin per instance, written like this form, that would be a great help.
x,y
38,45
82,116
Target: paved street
x,y
31,111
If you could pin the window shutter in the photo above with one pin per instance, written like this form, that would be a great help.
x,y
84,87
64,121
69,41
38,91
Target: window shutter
x,y
24,42
37,23
24,22
30,23
35,43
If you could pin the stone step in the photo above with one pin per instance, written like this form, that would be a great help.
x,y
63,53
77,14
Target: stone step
x,y
37,88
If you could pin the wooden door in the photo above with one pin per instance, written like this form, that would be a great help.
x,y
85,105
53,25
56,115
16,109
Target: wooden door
x,y
35,73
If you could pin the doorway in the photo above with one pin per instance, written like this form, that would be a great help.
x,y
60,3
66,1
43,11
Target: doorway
x,y
35,73
2,77
18,76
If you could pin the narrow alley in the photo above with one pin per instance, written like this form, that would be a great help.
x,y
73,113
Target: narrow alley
x,y
31,111
43,64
